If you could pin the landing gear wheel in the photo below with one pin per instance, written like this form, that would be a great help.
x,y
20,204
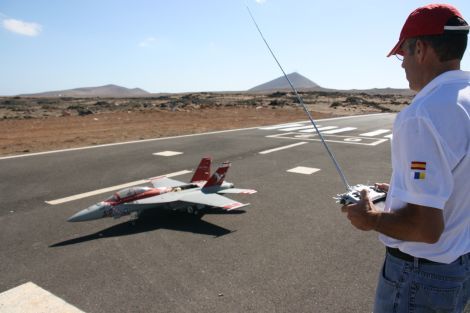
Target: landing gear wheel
x,y
194,211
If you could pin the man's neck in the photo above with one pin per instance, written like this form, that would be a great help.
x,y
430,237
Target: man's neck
x,y
437,70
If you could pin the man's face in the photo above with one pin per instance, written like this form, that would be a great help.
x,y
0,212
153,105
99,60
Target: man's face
x,y
410,64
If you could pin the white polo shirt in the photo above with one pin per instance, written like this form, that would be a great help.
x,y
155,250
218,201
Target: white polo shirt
x,y
431,164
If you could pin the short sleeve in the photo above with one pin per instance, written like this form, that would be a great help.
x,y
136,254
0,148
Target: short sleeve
x,y
421,171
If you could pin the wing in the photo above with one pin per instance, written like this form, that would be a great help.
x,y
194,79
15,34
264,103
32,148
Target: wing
x,y
212,199
237,190
197,197
163,181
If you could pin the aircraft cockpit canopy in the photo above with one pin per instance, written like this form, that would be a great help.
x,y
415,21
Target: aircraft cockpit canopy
x,y
128,192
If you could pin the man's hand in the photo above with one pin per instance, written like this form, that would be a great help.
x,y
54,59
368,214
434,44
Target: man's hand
x,y
410,223
363,215
382,186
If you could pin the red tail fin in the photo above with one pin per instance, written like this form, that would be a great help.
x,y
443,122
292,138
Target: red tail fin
x,y
203,170
218,177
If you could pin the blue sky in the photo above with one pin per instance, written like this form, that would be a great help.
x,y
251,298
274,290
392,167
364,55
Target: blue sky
x,y
205,45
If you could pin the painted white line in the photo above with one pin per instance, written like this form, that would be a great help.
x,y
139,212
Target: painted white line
x,y
353,139
341,130
109,189
167,153
30,298
176,137
353,116
297,128
366,141
378,142
280,126
303,170
324,119
375,133
283,147
389,136
312,130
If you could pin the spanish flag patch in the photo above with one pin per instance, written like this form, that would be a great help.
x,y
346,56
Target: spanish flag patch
x,y
416,165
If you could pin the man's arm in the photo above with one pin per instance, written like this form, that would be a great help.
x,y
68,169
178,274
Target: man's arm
x,y
410,223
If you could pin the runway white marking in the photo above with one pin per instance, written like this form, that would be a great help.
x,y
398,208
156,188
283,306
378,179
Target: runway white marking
x,y
354,139
389,136
312,130
303,170
167,153
30,298
282,148
299,123
281,126
375,133
375,143
289,129
340,130
366,141
109,189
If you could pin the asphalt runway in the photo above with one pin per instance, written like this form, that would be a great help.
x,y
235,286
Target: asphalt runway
x,y
291,250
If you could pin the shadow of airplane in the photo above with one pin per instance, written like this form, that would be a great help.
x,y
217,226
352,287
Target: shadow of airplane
x,y
150,221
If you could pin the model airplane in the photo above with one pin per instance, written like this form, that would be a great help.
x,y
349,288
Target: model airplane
x,y
203,192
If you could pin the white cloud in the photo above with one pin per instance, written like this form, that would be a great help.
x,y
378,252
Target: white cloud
x,y
22,28
146,42
260,1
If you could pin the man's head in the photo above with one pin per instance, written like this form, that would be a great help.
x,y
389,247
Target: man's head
x,y
442,22
433,40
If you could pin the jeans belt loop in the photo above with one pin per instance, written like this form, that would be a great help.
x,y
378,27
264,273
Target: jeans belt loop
x,y
465,258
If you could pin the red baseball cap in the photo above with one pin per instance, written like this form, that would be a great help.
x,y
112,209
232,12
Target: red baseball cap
x,y
427,20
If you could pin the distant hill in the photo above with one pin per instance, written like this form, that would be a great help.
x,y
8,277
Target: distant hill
x,y
302,83
280,83
101,91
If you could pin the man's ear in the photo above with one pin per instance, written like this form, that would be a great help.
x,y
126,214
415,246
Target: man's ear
x,y
421,50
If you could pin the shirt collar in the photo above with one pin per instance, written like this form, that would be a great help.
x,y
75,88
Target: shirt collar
x,y
440,79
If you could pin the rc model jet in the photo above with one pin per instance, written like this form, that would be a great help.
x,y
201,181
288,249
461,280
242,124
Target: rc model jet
x,y
202,193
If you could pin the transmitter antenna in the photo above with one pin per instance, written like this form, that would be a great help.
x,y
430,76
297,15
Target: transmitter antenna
x,y
299,98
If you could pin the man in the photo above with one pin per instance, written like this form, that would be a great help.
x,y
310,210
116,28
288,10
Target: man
x,y
425,225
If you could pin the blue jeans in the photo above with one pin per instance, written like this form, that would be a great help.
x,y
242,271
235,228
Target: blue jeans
x,y
411,287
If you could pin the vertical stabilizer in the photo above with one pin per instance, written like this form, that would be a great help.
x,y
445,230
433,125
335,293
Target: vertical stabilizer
x,y
203,171
218,177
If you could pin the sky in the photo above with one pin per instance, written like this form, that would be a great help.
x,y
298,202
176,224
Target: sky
x,y
205,45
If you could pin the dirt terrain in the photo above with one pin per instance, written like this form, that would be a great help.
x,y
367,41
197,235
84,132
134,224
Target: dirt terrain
x,y
40,124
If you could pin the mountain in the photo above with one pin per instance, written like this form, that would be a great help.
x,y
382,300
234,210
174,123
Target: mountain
x,y
302,83
299,82
101,91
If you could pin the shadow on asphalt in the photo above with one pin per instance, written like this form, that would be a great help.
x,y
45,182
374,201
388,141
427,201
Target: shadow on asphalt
x,y
159,220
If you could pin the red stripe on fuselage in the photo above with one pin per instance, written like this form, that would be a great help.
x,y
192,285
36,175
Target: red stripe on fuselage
x,y
146,194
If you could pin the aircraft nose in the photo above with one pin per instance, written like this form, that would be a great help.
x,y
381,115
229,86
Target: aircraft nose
x,y
92,213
